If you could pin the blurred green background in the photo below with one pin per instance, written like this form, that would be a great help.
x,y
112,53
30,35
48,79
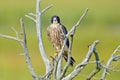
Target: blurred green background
x,y
101,23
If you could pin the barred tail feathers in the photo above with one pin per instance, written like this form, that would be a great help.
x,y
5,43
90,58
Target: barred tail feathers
x,y
72,60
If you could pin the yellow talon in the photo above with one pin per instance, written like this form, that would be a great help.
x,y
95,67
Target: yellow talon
x,y
57,51
55,54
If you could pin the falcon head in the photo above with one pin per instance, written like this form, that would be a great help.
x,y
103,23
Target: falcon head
x,y
55,20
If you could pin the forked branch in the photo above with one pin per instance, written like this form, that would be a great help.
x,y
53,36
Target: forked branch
x,y
26,53
23,42
98,65
112,58
39,35
81,66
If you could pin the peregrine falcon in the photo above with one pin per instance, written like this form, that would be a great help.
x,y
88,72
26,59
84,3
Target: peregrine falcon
x,y
56,32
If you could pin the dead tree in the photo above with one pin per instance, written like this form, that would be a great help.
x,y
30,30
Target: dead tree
x,y
55,69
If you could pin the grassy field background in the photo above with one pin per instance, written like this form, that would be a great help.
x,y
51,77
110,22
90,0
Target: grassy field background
x,y
101,23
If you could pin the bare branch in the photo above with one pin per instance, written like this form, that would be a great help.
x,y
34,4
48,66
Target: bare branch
x,y
94,72
80,66
30,17
79,21
69,56
95,78
45,9
26,53
39,35
48,74
11,37
24,45
98,67
112,69
112,58
32,14
15,32
116,58
92,62
116,50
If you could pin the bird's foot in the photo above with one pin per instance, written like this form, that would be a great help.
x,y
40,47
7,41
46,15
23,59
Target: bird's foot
x,y
56,53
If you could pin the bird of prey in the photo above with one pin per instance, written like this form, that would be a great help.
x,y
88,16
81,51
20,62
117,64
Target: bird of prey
x,y
56,32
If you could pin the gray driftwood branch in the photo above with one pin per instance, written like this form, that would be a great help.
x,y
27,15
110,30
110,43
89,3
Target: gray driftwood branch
x,y
39,35
11,37
23,42
26,53
71,32
81,66
45,9
113,57
37,19
98,65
